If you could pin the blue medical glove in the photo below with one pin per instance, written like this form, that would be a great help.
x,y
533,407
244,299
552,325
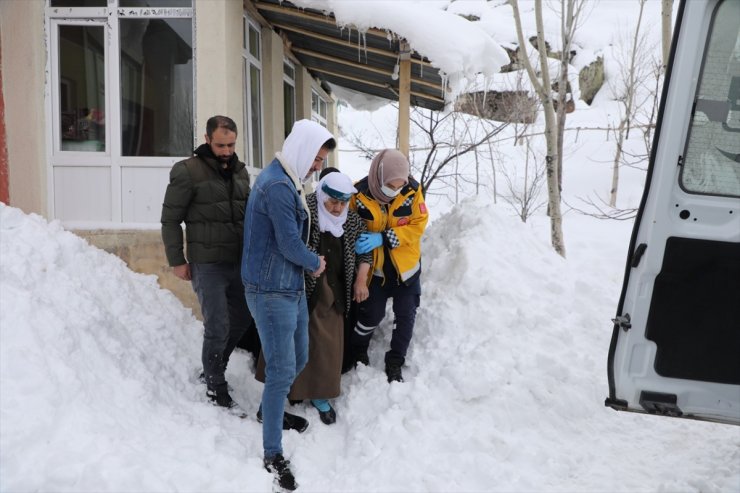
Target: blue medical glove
x,y
367,242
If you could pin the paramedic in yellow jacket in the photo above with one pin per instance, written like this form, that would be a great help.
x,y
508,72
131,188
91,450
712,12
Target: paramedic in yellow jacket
x,y
392,204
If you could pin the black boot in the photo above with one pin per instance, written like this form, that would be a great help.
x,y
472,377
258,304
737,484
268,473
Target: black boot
x,y
393,364
202,379
280,468
359,355
393,372
290,421
221,397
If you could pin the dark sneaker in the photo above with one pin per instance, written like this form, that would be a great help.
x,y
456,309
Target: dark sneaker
x,y
222,399
362,357
280,468
290,421
393,372
327,413
202,379
328,417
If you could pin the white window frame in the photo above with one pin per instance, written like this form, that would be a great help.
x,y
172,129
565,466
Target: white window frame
x,y
316,110
110,159
249,60
321,120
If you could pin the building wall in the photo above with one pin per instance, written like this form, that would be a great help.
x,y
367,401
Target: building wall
x,y
219,90
24,64
143,252
218,64
272,92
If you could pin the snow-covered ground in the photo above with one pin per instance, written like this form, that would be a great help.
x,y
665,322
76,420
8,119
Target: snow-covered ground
x,y
504,390
506,375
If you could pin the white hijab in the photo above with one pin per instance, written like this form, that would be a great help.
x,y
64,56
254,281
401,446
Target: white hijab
x,y
301,147
327,221
299,151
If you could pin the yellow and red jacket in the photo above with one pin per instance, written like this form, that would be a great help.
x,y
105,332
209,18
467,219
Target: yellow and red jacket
x,y
402,222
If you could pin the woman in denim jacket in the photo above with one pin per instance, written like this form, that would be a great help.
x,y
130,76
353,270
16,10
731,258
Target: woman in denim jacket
x,y
275,256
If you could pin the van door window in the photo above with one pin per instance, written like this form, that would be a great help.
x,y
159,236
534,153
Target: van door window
x,y
712,159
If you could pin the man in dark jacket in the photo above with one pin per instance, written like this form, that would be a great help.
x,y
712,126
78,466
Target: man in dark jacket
x,y
208,192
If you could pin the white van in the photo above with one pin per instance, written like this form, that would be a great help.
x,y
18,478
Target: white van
x,y
675,348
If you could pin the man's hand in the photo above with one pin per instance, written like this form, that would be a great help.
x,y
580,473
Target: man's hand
x,y
182,271
322,266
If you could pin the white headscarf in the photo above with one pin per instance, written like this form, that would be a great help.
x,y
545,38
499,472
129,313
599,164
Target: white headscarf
x,y
301,147
299,151
338,182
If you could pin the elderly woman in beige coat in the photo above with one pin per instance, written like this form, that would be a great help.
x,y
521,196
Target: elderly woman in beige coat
x,y
333,234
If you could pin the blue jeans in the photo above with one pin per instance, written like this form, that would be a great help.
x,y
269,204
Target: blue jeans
x,y
282,323
225,316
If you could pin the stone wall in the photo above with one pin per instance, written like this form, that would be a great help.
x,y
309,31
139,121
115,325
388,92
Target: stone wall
x,y
143,252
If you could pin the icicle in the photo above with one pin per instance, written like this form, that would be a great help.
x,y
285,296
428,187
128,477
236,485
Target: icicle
x,y
359,46
364,45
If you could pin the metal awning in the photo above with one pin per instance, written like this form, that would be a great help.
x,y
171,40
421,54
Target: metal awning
x,y
367,63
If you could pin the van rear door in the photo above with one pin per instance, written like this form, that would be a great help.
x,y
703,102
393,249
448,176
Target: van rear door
x,y
675,347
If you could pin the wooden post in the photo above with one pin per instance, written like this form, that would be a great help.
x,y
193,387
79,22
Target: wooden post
x,y
404,98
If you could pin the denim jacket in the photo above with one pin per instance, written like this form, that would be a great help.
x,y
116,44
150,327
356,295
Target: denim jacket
x,y
275,254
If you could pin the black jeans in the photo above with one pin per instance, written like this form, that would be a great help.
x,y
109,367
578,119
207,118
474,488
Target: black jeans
x,y
371,312
225,316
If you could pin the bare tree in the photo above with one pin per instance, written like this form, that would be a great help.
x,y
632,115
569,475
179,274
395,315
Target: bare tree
x,y
524,191
571,14
543,88
666,16
602,211
631,93
445,144
442,139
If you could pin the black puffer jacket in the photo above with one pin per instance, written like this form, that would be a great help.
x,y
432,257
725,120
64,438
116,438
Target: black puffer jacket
x,y
210,200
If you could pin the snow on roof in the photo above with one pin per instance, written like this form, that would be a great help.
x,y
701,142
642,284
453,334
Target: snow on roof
x,y
459,48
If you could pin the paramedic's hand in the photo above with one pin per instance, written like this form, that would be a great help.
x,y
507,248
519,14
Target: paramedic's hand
x,y
182,271
368,242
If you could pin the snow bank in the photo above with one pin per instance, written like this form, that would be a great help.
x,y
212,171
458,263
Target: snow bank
x,y
504,385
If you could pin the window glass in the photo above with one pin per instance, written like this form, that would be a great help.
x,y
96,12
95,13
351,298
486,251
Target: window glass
x,y
711,162
314,102
79,3
156,3
288,96
288,70
289,108
82,88
251,55
156,87
318,108
255,114
254,43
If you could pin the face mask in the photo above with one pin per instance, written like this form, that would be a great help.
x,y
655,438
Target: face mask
x,y
389,192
